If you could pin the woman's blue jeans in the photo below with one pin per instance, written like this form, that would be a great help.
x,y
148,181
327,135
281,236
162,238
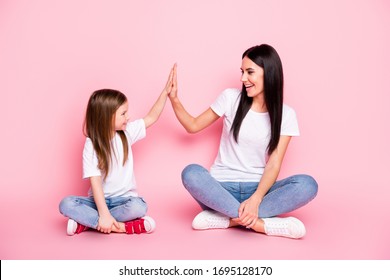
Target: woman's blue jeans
x,y
225,197
84,211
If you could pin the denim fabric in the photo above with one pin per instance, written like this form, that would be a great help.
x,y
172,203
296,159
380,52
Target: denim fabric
x,y
84,211
225,197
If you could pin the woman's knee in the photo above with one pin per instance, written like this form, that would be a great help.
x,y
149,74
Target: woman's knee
x,y
309,185
191,174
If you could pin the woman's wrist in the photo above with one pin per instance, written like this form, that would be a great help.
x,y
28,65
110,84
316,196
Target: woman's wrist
x,y
174,100
257,197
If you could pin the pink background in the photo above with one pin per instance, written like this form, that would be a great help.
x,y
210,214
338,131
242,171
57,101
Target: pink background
x,y
54,54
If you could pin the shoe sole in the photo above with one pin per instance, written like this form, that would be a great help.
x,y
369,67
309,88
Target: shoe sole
x,y
151,222
71,227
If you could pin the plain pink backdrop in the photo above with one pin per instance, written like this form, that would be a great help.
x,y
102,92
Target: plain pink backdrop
x,y
53,54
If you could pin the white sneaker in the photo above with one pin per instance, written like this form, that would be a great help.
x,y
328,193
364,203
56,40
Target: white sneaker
x,y
73,227
209,219
287,227
149,224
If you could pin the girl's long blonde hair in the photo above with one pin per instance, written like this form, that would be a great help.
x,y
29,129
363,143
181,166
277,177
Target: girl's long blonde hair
x,y
99,124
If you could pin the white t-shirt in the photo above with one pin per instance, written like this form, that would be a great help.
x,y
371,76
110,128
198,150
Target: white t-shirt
x,y
120,181
245,161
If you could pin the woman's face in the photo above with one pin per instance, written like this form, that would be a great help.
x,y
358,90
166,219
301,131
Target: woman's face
x,y
252,77
121,117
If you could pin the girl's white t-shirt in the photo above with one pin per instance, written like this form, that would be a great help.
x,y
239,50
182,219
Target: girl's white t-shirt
x,y
245,161
121,180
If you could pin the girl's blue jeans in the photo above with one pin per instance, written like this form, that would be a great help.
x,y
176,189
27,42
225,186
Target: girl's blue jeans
x,y
225,197
84,211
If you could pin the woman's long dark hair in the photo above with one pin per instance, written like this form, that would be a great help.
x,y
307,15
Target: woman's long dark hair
x,y
267,58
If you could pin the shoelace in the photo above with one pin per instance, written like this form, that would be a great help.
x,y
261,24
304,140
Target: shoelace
x,y
216,222
278,228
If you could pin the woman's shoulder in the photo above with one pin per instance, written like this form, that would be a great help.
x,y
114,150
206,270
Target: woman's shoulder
x,y
288,111
231,92
229,95
288,108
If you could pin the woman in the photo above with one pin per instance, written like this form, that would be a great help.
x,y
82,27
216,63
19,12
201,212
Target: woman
x,y
241,187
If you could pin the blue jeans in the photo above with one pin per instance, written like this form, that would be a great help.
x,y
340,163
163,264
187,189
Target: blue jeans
x,y
225,197
84,211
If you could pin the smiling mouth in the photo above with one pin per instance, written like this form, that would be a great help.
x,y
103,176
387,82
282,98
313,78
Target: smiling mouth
x,y
248,86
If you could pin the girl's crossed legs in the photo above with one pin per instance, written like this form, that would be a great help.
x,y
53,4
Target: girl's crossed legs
x,y
83,210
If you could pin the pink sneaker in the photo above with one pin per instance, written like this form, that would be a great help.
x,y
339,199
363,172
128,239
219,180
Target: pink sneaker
x,y
142,225
74,227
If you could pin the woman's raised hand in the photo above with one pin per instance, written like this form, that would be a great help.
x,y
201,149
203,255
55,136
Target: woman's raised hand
x,y
173,86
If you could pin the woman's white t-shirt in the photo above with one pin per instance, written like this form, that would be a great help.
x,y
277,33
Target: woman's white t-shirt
x,y
120,181
245,161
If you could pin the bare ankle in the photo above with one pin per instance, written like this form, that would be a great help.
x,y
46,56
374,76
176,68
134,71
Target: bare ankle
x,y
259,226
121,228
233,223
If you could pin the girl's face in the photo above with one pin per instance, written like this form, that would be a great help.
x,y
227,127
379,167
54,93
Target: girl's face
x,y
252,77
121,117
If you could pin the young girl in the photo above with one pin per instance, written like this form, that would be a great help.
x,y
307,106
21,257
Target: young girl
x,y
113,204
241,188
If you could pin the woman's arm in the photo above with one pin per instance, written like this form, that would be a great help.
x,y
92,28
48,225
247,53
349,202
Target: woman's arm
x,y
106,220
190,123
159,105
249,209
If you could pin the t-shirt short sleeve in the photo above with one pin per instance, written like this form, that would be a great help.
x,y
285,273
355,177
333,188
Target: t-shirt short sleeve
x,y
289,122
90,160
225,102
136,130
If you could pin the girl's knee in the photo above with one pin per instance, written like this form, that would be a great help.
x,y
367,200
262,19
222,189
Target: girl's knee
x,y
136,207
66,203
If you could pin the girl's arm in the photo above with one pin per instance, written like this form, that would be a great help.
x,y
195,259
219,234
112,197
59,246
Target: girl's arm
x,y
106,220
248,212
158,107
190,123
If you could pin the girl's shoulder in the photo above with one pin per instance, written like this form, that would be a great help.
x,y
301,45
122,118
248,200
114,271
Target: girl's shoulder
x,y
88,141
88,146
